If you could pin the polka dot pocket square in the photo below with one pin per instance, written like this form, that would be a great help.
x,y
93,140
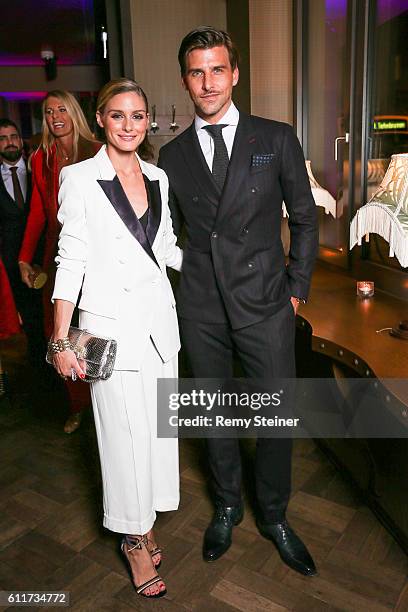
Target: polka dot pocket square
x,y
258,160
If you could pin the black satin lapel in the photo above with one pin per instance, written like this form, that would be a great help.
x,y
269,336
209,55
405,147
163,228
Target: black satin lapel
x,y
199,169
240,163
117,197
155,208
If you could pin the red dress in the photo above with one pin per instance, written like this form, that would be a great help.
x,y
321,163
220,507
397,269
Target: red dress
x,y
43,215
9,321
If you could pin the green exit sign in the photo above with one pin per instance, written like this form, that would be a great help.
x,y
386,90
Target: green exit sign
x,y
390,124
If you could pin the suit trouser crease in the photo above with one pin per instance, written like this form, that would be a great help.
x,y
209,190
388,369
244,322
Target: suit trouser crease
x,y
140,472
265,350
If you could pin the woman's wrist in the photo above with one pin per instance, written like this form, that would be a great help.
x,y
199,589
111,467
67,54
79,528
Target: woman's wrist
x,y
60,331
59,335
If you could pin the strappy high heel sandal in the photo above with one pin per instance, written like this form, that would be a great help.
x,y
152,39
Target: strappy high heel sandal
x,y
130,543
156,550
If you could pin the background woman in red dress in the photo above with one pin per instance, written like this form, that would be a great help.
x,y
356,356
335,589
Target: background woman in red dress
x,y
66,139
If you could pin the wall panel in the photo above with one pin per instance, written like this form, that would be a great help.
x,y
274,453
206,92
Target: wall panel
x,y
270,34
158,27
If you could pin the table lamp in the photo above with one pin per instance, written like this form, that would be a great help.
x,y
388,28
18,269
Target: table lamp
x,y
386,214
321,196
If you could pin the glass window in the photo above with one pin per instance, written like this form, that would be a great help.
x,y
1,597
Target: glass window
x,y
327,118
387,119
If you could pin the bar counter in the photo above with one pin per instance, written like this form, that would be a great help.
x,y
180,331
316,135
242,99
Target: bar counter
x,y
345,327
337,337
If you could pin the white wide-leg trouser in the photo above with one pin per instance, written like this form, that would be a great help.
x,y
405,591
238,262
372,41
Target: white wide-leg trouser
x,y
140,472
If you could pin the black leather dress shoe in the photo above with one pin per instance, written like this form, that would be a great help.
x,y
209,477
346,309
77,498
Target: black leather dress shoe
x,y
217,538
290,547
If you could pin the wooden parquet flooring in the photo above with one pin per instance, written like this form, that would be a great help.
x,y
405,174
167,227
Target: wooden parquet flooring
x,y
51,536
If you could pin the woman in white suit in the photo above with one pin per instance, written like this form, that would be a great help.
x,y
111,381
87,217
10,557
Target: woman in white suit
x,y
115,243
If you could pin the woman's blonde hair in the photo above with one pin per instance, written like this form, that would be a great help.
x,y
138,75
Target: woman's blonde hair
x,y
119,86
80,125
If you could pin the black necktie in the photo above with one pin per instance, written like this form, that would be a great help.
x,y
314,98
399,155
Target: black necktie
x,y
18,194
220,159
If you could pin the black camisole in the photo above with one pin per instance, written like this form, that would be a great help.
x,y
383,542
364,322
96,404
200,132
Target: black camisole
x,y
144,218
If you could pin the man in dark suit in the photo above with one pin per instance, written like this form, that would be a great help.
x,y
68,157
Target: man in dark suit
x,y
229,173
15,192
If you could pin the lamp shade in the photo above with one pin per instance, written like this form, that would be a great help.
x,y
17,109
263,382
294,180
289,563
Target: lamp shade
x,y
393,189
321,196
376,169
386,214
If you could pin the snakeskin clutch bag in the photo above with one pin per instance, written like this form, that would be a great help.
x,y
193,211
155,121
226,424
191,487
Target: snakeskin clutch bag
x,y
96,355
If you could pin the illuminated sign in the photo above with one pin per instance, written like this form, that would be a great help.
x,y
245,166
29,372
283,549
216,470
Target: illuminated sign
x,y
390,124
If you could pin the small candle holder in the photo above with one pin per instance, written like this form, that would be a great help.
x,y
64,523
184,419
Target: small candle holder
x,y
365,289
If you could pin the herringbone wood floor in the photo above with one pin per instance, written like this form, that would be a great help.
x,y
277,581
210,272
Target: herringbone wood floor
x,y
51,535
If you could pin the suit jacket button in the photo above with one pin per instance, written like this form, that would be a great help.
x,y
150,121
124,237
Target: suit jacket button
x,y
245,230
250,264
214,235
195,198
254,190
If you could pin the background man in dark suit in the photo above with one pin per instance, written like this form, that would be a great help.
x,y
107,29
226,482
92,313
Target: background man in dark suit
x,y
15,192
229,173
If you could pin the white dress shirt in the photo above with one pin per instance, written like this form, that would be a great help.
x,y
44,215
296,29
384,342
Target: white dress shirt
x,y
206,141
21,175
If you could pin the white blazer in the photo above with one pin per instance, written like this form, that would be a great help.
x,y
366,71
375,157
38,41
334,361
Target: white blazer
x,y
126,294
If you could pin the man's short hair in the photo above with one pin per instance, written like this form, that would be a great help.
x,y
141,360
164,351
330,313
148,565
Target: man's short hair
x,y
4,122
206,37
